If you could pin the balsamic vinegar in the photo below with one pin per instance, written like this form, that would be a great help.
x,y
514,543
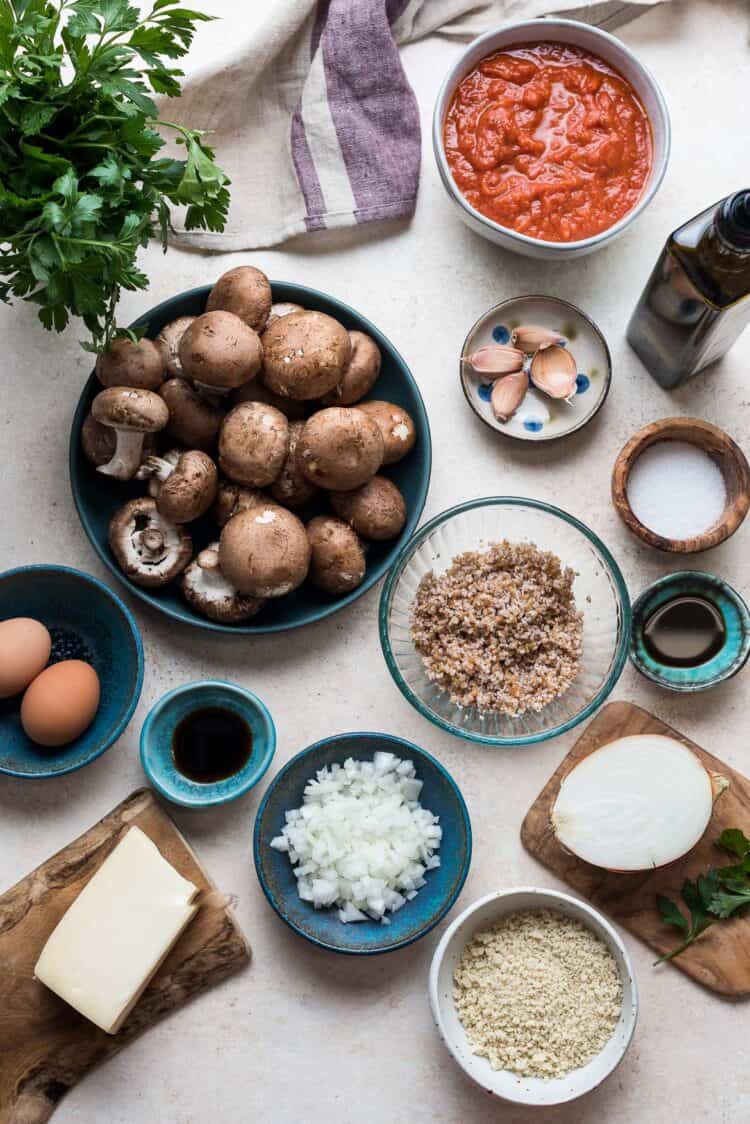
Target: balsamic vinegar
x,y
211,744
685,632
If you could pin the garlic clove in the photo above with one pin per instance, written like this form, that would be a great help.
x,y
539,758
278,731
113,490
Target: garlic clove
x,y
530,338
496,359
508,393
554,371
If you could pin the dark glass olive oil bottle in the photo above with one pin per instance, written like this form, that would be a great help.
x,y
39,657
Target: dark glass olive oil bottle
x,y
697,300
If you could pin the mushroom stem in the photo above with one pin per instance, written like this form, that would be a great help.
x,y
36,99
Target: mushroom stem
x,y
208,559
210,578
152,540
126,457
157,467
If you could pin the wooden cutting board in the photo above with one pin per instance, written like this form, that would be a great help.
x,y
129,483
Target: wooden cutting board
x,y
720,959
46,1046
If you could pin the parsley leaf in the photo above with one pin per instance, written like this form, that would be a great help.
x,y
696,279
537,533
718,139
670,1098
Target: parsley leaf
x,y
671,915
724,904
714,896
735,841
82,185
697,897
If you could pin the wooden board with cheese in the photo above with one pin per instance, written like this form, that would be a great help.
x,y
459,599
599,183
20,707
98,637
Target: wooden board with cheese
x,y
47,1045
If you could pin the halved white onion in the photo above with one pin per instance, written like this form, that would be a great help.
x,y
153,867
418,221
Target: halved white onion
x,y
636,803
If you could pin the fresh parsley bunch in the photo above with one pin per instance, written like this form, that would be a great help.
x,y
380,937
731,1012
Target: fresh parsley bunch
x,y
714,896
82,186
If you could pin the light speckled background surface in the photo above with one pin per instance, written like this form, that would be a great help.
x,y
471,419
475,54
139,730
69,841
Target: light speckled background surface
x,y
304,1036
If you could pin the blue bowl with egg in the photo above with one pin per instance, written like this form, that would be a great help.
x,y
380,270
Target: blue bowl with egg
x,y
440,794
722,660
88,622
160,746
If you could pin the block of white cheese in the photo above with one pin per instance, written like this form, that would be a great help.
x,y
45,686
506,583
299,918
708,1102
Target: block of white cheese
x,y
114,936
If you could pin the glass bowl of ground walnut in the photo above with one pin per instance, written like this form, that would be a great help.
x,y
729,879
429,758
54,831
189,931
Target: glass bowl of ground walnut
x,y
505,621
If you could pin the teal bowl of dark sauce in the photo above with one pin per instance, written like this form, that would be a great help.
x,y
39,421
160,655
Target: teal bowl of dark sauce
x,y
690,631
207,743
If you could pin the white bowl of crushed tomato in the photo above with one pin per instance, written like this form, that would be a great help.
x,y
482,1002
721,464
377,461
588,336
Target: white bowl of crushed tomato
x,y
550,137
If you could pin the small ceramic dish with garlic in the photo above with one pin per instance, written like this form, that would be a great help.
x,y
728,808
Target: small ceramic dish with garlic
x,y
535,368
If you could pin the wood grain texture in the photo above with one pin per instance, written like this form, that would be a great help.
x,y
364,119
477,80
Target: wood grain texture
x,y
45,1045
720,959
714,441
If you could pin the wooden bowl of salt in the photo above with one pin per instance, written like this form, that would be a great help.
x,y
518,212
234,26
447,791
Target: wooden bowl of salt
x,y
681,485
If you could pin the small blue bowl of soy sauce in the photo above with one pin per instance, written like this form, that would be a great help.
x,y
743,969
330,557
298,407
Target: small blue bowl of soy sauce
x,y
207,743
690,631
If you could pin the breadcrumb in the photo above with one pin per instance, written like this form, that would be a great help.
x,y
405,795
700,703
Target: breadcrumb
x,y
537,993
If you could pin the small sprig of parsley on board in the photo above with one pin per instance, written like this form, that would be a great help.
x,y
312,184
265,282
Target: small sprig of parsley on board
x,y
82,185
713,896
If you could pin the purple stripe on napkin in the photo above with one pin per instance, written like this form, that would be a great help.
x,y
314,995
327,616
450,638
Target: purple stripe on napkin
x,y
373,109
304,165
307,177
394,8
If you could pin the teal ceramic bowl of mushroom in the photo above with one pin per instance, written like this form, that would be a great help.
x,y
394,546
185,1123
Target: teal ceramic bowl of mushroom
x,y
159,466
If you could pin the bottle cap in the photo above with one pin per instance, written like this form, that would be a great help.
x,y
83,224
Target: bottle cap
x,y
734,218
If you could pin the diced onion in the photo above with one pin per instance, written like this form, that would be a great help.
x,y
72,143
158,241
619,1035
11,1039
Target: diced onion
x,y
361,840
634,804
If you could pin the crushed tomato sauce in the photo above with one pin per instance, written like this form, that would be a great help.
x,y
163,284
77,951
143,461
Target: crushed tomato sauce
x,y
548,140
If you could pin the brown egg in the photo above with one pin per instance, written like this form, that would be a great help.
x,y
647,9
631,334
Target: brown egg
x,y
24,650
60,703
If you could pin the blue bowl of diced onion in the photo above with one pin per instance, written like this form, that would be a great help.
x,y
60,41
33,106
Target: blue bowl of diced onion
x,y
371,888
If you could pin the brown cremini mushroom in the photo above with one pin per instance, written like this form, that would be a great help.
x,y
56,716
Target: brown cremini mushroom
x,y
182,483
232,498
396,427
376,510
207,590
253,443
264,551
149,549
340,448
125,363
131,413
360,375
219,351
168,342
256,391
282,308
98,442
305,355
291,488
245,291
193,421
337,562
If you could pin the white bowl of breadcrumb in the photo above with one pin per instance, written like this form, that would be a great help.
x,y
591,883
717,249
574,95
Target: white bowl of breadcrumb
x,y
533,993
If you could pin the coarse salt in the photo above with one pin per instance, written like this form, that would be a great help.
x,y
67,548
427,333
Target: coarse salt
x,y
676,490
